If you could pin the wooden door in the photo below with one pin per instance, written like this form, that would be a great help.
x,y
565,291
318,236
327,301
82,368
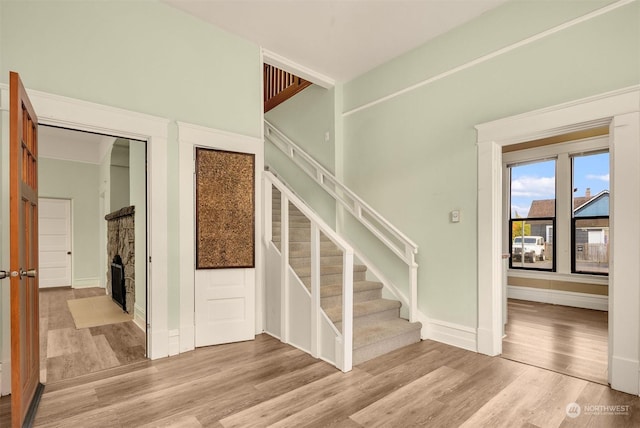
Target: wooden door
x,y
23,206
54,224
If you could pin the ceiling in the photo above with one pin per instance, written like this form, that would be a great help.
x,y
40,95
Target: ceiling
x,y
77,146
339,39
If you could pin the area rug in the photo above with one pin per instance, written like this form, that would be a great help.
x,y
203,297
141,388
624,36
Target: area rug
x,y
96,311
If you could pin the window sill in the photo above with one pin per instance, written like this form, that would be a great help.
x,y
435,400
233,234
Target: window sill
x,y
569,277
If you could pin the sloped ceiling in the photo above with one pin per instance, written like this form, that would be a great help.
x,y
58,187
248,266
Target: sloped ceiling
x,y
339,39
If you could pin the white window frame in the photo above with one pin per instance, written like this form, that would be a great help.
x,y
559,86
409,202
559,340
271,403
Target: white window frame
x,y
562,154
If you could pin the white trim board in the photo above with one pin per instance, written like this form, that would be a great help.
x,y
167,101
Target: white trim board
x,y
559,297
85,282
621,111
174,342
80,115
490,56
452,334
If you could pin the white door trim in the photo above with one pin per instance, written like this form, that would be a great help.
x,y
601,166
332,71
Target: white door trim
x,y
189,137
80,115
621,110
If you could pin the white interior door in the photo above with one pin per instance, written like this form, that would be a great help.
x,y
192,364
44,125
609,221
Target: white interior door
x,y
225,298
54,226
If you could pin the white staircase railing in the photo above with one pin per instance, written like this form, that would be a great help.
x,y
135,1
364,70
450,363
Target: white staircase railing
x,y
381,228
326,341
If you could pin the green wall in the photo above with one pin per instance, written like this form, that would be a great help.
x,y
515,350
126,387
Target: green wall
x,y
305,118
79,182
414,156
142,56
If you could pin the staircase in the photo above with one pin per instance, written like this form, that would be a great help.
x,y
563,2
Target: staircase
x,y
377,326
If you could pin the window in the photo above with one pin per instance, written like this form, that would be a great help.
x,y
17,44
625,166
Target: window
x,y
557,203
533,214
590,219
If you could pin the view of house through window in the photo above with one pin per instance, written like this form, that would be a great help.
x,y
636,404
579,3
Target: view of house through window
x,y
590,220
579,181
533,214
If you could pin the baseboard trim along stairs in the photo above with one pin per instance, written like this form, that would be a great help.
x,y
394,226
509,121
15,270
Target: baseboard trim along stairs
x,y
378,328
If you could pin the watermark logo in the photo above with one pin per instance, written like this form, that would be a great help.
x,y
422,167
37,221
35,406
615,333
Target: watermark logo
x,y
573,410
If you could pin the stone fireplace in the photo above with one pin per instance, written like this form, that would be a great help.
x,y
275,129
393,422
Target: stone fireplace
x,y
121,242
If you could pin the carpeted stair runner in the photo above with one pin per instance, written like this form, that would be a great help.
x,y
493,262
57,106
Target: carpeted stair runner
x,y
378,328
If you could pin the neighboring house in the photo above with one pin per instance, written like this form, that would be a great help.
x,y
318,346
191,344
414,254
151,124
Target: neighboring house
x,y
400,135
583,206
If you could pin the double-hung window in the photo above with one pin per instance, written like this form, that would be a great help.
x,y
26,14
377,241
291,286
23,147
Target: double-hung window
x,y
557,197
590,219
533,214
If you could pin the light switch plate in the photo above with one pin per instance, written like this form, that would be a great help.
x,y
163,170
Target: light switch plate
x,y
455,216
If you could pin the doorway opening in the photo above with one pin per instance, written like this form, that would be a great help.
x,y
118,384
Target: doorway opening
x,y
556,233
82,329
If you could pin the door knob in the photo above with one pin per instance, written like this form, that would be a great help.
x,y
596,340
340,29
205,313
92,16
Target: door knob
x,y
4,274
31,273
69,253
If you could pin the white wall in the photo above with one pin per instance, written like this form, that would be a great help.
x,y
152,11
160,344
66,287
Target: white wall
x,y
119,175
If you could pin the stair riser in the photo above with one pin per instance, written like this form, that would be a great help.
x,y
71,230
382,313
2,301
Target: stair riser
x,y
369,352
295,222
332,279
297,235
377,316
302,249
306,247
293,215
306,261
358,297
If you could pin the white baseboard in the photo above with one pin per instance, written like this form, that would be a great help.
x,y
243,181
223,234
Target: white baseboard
x,y
85,282
558,297
624,375
174,342
158,343
452,334
187,338
139,317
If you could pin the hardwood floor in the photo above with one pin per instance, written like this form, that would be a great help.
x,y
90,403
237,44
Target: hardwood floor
x,y
67,352
267,383
567,340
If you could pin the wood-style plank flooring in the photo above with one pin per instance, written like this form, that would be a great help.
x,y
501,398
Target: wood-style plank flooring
x,y
267,383
567,340
67,352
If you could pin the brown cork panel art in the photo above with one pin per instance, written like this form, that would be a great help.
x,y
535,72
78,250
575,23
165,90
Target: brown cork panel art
x,y
225,209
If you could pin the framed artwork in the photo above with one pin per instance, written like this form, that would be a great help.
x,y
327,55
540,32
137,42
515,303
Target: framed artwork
x,y
225,209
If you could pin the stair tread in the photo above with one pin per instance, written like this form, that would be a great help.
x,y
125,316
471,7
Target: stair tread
x,y
381,330
360,309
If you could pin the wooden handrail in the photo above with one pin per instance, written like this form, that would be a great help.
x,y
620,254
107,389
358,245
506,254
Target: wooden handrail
x,y
279,86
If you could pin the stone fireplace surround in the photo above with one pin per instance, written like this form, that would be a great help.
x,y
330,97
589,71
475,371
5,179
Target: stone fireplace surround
x,y
121,241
